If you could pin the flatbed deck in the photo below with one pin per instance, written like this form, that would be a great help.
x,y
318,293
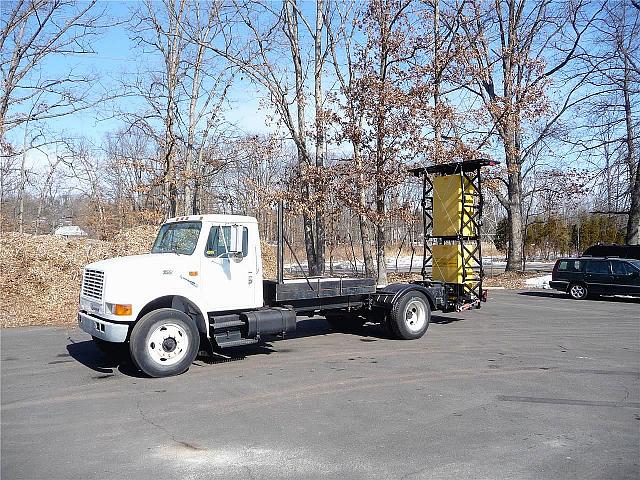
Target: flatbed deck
x,y
296,289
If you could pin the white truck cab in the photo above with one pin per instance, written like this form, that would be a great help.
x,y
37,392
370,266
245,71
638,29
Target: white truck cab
x,y
198,264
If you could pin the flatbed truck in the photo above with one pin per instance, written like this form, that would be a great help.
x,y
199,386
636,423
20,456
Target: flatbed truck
x,y
201,288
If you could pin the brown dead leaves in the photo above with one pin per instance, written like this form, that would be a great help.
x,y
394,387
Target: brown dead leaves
x,y
41,274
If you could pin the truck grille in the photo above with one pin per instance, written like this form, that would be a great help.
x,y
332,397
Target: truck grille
x,y
92,284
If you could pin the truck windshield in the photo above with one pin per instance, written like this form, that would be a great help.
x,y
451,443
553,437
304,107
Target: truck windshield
x,y
178,237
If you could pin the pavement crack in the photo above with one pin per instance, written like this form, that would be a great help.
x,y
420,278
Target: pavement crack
x,y
411,474
163,429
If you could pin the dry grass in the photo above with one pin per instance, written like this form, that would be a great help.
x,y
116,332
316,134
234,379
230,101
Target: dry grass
x,y
511,280
41,275
40,280
269,261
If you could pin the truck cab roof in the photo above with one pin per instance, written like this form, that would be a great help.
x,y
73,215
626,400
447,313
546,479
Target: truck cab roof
x,y
213,218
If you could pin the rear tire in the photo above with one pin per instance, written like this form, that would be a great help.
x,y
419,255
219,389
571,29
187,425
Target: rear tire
x,y
410,316
577,291
164,343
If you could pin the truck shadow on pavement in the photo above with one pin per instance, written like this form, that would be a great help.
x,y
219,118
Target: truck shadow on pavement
x,y
88,354
442,320
589,299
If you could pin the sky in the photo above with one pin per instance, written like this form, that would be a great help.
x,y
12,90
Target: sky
x,y
116,54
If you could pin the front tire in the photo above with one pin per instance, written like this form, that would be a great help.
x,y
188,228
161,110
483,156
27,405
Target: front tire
x,y
410,316
578,291
164,343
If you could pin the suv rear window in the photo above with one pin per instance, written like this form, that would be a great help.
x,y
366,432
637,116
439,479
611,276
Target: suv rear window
x,y
598,267
570,266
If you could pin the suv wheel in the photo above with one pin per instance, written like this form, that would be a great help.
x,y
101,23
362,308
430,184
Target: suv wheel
x,y
577,291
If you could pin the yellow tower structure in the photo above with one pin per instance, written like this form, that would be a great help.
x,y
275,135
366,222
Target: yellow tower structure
x,y
452,209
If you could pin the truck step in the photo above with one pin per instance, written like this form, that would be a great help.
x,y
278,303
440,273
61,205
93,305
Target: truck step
x,y
228,324
236,343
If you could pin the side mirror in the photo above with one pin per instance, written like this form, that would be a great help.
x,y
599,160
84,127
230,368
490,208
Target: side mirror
x,y
235,244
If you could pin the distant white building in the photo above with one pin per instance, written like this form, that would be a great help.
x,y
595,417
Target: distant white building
x,y
69,231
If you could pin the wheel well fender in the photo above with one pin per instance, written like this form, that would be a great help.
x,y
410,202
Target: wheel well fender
x,y
180,303
389,295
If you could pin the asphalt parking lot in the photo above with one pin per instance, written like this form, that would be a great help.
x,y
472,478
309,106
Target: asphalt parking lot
x,y
533,385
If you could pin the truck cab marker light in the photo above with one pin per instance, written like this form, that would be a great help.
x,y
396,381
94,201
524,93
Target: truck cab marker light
x,y
193,274
119,309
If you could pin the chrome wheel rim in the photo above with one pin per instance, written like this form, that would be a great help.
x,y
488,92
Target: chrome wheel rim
x,y
577,291
415,315
168,344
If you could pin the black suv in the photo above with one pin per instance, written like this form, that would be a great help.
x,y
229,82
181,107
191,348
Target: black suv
x,y
582,276
613,250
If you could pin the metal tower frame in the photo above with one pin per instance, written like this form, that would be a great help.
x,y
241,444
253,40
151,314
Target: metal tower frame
x,y
469,293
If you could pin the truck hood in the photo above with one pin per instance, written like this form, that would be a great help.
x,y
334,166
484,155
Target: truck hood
x,y
148,262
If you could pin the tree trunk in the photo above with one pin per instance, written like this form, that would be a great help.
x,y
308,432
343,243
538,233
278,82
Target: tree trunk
x,y
291,16
514,214
633,224
320,135
437,124
380,238
362,218
23,181
172,63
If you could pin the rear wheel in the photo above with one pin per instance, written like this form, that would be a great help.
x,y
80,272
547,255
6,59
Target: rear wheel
x,y
164,343
410,316
577,291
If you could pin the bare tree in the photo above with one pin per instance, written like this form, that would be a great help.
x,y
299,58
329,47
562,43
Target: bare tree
x,y
269,32
391,90
184,90
34,33
516,50
617,78
341,30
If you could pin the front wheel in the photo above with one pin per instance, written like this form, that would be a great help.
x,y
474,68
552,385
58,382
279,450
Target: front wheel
x,y
577,291
164,343
410,316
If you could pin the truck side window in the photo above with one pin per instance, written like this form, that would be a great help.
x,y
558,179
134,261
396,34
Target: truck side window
x,y
219,240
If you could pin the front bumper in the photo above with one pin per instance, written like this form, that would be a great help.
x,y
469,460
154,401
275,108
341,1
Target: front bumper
x,y
98,327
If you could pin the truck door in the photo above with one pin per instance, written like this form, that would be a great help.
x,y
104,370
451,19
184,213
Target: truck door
x,y
228,279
